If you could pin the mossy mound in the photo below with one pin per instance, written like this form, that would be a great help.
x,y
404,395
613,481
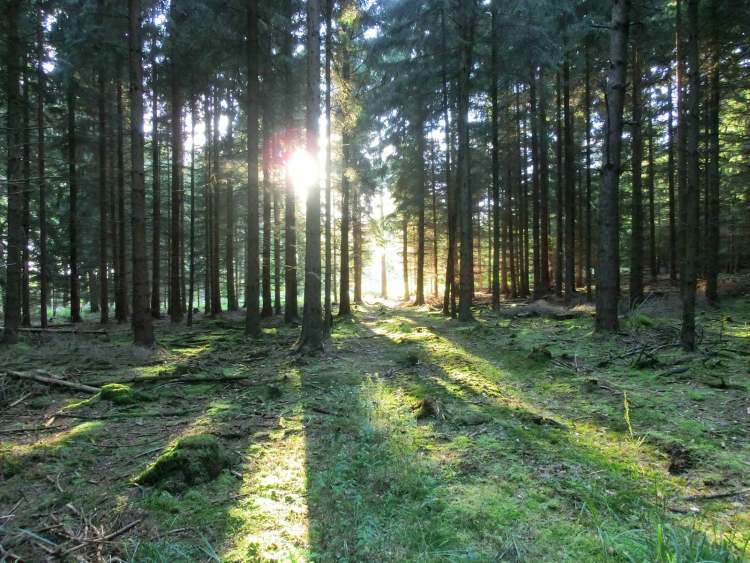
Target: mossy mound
x,y
9,465
119,394
192,460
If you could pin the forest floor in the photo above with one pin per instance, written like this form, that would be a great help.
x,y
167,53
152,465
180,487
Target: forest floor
x,y
521,437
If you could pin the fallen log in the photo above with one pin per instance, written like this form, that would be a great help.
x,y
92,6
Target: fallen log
x,y
52,330
52,381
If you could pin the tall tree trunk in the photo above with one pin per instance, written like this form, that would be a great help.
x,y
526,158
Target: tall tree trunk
x,y
690,229
494,127
207,198
589,226
405,256
75,282
636,238
252,268
191,283
559,190
26,205
539,289
671,189
291,312
383,264
466,22
12,309
268,153
435,236
714,180
451,192
311,339
420,193
523,204
681,142
215,215
175,287
327,311
543,184
142,324
357,246
102,164
232,304
155,201
608,266
276,251
653,255
41,172
344,302
570,186
121,309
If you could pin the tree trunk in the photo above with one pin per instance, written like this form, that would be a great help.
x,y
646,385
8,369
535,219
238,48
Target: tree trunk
x,y
191,283
405,256
41,172
103,204
175,289
690,229
268,153
311,339
570,186
252,273
559,191
155,202
26,205
12,309
608,266
142,324
420,193
75,282
344,302
450,273
215,216
539,289
276,252
589,226
291,312
232,304
713,241
327,311
466,21
207,198
636,238
653,255
357,246
494,126
681,143
121,305
543,184
671,189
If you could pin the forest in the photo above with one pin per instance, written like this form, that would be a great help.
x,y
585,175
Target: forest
x,y
375,280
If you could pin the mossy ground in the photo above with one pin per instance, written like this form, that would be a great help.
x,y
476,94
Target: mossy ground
x,y
412,438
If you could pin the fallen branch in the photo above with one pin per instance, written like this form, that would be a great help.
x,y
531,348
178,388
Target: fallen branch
x,y
51,330
713,496
52,381
196,379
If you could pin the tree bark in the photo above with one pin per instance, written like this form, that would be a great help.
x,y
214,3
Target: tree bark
x,y
268,153
494,128
12,309
543,184
191,274
75,282
559,190
175,289
636,233
653,253
327,311
142,324
357,246
102,184
252,269
713,242
311,339
41,172
589,226
539,289
155,201
608,266
121,309
570,186
690,229
405,256
291,312
671,189
420,193
26,205
451,192
466,22
229,204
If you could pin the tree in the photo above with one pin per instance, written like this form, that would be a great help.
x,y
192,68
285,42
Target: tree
x,y
636,239
12,307
608,265
41,171
175,228
142,324
252,270
311,339
156,198
690,214
466,21
713,180
75,282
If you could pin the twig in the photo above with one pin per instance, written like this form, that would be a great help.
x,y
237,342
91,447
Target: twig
x,y
740,492
52,381
21,399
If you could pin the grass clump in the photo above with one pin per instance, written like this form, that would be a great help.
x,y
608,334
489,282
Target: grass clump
x,y
190,461
120,394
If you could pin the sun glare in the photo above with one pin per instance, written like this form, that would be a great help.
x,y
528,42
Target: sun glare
x,y
303,170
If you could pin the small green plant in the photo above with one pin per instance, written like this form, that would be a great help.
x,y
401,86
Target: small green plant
x,y
626,405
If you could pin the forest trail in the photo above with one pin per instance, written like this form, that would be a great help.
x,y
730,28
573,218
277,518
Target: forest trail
x,y
412,438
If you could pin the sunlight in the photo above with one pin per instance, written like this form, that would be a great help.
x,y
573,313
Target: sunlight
x,y
303,170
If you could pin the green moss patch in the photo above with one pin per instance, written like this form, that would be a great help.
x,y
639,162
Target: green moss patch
x,y
190,461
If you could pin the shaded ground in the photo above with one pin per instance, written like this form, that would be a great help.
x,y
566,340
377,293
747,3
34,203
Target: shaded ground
x,y
520,437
